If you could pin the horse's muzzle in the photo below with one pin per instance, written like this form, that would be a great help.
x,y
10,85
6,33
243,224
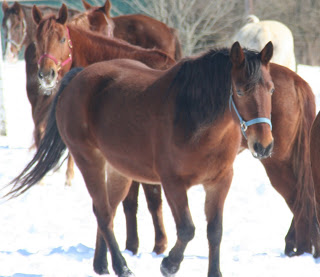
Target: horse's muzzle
x,y
261,152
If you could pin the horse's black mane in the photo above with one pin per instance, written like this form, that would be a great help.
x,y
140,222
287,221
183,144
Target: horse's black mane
x,y
204,85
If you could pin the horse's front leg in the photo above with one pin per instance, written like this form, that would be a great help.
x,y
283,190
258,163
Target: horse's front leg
x,y
176,195
154,200
215,198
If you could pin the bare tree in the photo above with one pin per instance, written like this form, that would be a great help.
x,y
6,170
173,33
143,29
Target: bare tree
x,y
200,23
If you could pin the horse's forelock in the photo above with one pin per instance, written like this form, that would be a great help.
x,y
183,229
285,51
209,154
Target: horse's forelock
x,y
46,26
252,67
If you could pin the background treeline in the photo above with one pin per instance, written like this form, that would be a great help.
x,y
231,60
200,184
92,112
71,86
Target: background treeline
x,y
202,23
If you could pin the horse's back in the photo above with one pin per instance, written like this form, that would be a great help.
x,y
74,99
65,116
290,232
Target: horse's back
x,y
146,32
256,34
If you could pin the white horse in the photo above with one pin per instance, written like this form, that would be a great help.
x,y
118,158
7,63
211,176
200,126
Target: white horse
x,y
256,34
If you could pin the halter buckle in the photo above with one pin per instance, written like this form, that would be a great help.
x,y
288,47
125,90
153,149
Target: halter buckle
x,y
243,126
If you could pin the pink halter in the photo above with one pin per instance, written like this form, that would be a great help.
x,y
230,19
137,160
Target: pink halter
x,y
59,63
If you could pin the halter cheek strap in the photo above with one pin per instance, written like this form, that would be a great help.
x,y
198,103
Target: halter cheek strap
x,y
245,124
59,63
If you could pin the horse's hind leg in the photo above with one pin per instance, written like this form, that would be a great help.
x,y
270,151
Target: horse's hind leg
x,y
130,208
154,200
105,199
281,175
100,262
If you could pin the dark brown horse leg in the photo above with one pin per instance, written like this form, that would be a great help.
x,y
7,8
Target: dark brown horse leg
x,y
215,198
154,200
130,208
177,199
290,240
70,171
100,262
283,180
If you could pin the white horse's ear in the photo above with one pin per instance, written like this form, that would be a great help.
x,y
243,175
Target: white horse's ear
x,y
36,14
236,55
266,53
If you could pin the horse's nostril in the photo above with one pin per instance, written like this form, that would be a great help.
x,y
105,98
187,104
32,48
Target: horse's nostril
x,y
52,73
257,147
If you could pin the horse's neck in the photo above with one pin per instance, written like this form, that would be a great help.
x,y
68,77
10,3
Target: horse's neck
x,y
107,49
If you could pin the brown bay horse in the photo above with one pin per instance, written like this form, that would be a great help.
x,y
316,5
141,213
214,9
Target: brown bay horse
x,y
144,31
178,127
288,168
18,26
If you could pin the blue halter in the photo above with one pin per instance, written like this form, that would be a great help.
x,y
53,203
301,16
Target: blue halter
x,y
245,124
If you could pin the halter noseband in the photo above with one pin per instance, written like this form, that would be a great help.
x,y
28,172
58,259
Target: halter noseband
x,y
59,63
245,124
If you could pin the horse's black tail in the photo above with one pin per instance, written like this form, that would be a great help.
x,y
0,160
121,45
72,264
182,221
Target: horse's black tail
x,y
49,152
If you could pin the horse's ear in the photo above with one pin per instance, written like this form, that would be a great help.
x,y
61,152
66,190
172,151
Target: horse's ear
x,y
107,7
5,6
86,5
236,55
36,14
266,53
63,14
17,7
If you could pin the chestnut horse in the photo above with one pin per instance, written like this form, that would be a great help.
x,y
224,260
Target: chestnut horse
x,y
19,28
143,31
178,128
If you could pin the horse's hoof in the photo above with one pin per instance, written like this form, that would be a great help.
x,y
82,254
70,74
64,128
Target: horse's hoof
x,y
101,269
159,249
126,272
167,268
134,250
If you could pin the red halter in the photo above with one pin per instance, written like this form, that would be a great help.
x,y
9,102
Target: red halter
x,y
59,63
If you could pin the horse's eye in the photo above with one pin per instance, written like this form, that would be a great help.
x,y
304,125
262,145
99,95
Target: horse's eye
x,y
63,40
240,92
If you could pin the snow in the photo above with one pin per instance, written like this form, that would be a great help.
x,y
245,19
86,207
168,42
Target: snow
x,y
51,229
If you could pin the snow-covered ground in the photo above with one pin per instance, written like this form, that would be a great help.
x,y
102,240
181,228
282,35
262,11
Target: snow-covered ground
x,y
50,230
